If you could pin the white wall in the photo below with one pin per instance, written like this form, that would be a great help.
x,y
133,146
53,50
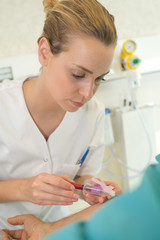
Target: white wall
x,y
136,18
21,22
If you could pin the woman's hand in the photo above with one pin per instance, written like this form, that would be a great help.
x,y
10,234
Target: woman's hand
x,y
34,229
48,189
94,199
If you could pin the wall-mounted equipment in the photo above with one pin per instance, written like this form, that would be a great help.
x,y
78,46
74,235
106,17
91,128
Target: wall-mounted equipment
x,y
128,59
6,73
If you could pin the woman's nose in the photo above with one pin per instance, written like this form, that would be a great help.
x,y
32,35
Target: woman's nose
x,y
86,89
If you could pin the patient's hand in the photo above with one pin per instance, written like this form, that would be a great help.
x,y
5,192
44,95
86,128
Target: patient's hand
x,y
34,229
94,199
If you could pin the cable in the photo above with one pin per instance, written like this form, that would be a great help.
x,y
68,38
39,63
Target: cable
x,y
113,152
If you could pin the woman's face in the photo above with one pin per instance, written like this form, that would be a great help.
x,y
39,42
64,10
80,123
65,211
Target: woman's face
x,y
73,76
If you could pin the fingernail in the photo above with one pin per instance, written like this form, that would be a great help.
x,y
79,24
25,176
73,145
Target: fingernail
x,y
75,197
72,187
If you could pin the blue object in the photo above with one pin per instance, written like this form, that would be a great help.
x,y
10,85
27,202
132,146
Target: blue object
x,y
84,156
107,111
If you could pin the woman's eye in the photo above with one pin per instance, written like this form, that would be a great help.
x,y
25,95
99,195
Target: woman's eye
x,y
78,76
100,79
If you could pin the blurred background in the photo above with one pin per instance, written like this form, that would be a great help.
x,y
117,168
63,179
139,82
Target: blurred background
x,y
21,22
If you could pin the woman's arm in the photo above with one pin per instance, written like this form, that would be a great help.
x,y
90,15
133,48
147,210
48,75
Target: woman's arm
x,y
11,190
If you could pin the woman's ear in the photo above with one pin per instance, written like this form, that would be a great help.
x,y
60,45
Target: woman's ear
x,y
44,51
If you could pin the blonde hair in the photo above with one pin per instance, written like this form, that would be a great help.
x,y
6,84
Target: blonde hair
x,y
67,18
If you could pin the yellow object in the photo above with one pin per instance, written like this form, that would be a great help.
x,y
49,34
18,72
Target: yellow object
x,y
128,59
129,46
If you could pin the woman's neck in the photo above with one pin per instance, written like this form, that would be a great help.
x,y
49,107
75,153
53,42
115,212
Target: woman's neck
x,y
38,98
46,113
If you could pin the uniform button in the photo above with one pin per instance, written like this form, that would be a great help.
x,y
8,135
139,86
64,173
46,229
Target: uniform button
x,y
45,159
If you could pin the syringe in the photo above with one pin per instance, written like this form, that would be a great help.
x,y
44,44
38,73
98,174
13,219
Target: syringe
x,y
99,188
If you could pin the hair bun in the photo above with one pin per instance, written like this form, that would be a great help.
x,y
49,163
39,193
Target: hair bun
x,y
48,5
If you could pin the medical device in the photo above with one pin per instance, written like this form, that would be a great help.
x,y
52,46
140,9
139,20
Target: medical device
x,y
95,187
126,115
128,59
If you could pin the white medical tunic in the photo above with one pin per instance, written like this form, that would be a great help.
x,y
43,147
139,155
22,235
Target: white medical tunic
x,y
24,152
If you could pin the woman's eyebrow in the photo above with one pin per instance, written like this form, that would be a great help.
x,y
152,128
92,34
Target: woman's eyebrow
x,y
83,68
87,70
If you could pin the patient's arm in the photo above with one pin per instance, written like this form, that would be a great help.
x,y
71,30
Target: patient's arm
x,y
83,215
35,229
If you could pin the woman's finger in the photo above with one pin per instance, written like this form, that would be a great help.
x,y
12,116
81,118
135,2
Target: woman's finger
x,y
54,190
56,180
40,197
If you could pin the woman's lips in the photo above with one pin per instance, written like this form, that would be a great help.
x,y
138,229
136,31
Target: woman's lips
x,y
77,104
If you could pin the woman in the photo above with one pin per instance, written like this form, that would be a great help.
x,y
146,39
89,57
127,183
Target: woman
x,y
49,121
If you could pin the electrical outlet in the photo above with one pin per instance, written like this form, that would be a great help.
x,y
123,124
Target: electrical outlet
x,y
6,73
